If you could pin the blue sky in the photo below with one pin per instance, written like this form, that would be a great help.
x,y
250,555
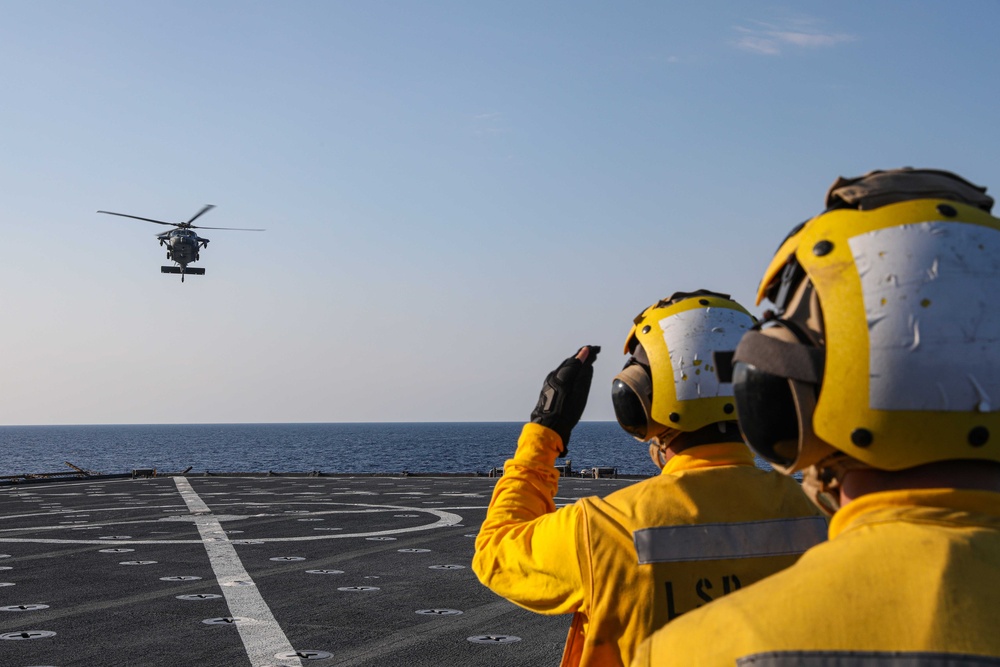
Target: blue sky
x,y
457,195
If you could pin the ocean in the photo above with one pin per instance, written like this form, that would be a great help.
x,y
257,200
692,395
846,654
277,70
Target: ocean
x,y
452,447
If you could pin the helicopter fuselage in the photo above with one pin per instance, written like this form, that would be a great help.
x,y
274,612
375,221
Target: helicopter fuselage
x,y
183,245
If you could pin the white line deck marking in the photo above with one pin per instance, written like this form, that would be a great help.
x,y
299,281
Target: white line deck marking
x,y
264,638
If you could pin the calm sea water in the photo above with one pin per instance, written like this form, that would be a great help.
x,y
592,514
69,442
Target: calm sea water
x,y
333,448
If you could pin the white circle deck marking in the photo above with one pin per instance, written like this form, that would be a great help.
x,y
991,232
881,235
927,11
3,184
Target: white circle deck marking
x,y
444,519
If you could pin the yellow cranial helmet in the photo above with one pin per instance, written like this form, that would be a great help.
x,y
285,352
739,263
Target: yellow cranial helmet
x,y
885,344
669,385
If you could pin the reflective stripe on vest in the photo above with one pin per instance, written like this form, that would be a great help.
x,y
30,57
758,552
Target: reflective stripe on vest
x,y
864,659
722,541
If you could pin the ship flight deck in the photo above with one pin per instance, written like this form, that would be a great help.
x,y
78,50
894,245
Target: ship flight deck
x,y
260,570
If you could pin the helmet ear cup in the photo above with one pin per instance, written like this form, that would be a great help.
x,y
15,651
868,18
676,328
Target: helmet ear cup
x,y
811,449
632,397
767,413
775,411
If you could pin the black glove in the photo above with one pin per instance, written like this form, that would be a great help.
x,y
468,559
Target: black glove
x,y
564,395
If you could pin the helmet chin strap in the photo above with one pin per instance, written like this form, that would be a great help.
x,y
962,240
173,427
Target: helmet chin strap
x,y
659,445
658,453
677,441
822,480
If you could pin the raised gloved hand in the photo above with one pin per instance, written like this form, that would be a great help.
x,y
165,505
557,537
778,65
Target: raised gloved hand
x,y
564,394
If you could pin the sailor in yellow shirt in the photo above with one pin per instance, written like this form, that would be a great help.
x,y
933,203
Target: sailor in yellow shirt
x,y
710,523
877,376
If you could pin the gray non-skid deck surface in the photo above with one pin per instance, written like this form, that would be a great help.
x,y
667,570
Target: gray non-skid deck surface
x,y
290,571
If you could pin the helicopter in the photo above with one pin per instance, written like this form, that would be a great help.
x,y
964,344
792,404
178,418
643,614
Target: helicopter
x,y
183,244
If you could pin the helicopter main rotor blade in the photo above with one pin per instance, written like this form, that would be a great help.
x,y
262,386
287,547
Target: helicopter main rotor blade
x,y
233,229
208,207
135,217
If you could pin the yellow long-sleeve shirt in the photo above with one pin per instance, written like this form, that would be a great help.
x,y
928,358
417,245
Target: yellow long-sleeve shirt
x,y
907,577
626,564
